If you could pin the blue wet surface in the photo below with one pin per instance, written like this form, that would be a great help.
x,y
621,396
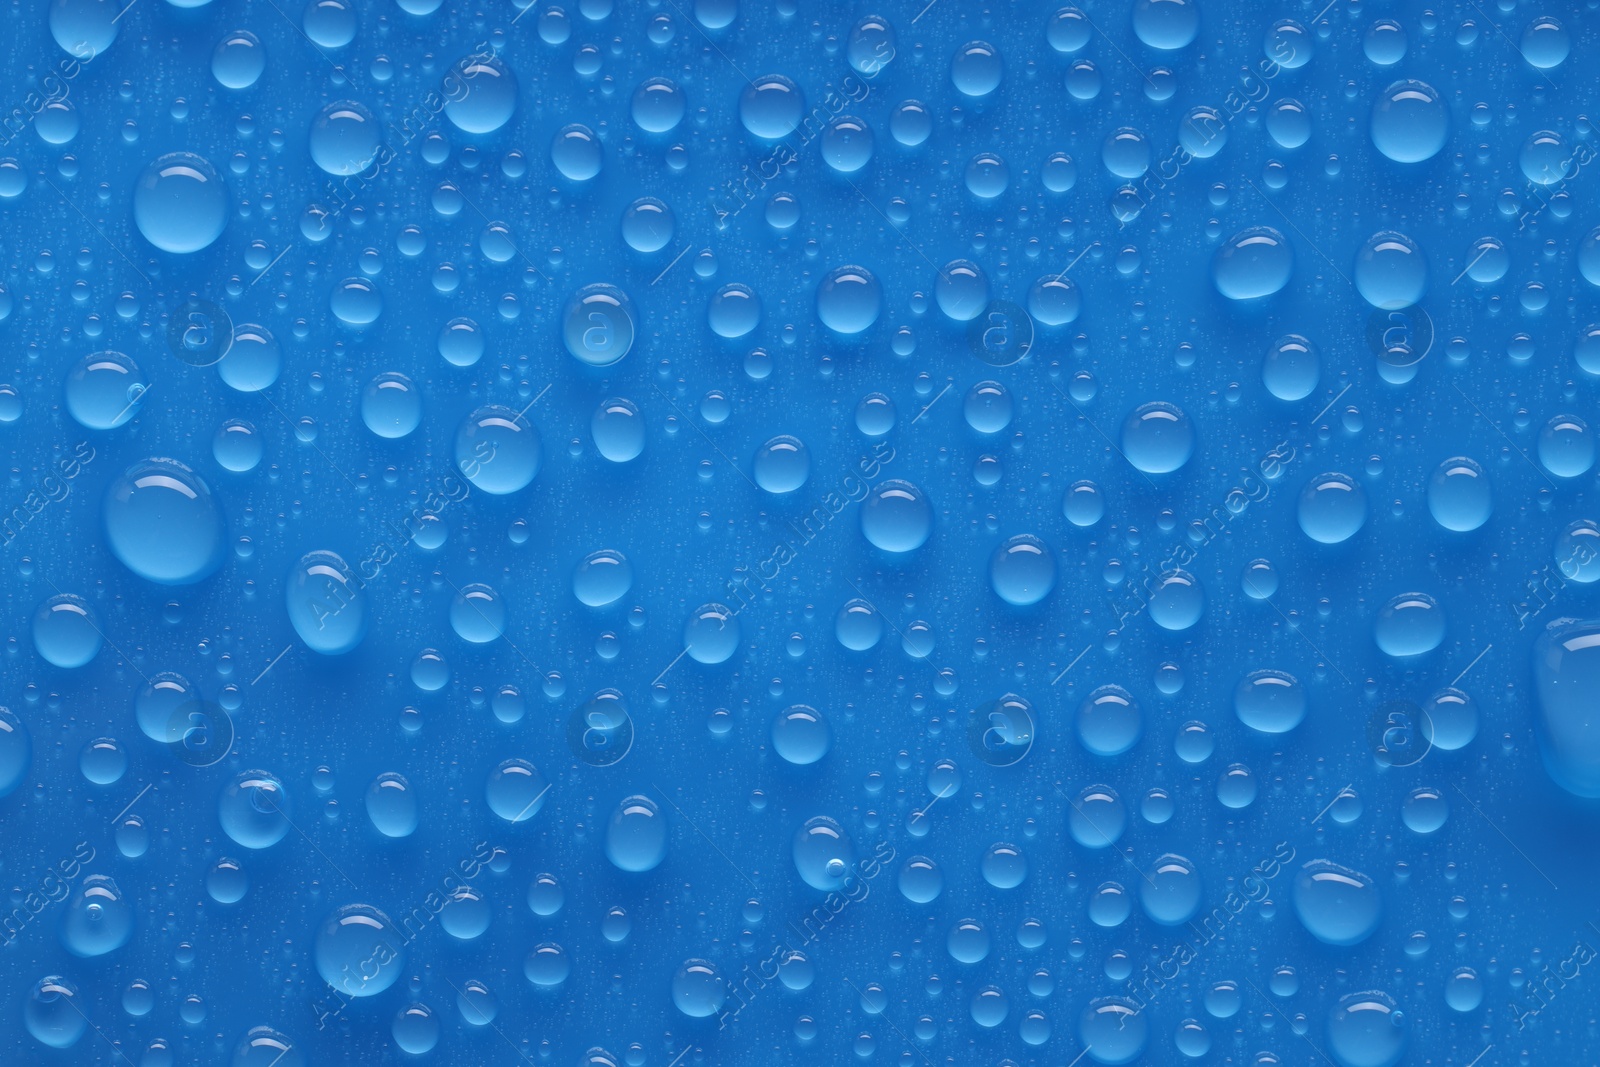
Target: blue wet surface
x,y
668,534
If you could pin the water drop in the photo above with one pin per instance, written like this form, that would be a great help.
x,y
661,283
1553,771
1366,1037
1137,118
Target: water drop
x,y
345,139
1566,668
1252,264
1112,1029
326,603
1109,722
800,735
711,635
1271,702
1291,368
238,60
782,465
849,299
391,406
498,450
1332,508
180,203
976,69
252,809
636,836
1367,1030
1158,438
1409,122
358,951
105,390
66,632
698,989
771,107
1409,625
162,523
823,854
516,790
489,99
1337,905
52,1012
1170,891
1022,571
